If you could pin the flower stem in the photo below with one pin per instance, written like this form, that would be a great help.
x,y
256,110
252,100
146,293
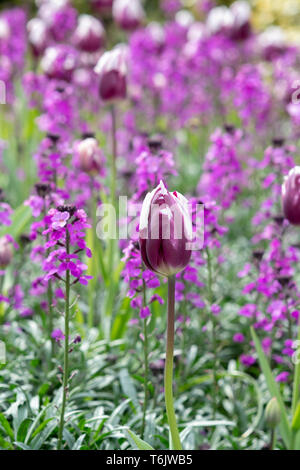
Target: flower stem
x,y
146,365
66,349
273,439
169,366
113,246
50,313
213,331
296,384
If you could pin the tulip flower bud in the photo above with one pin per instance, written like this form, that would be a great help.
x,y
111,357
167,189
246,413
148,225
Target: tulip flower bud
x,y
128,14
89,35
272,413
241,20
219,19
5,252
112,68
5,31
291,196
59,62
90,157
165,231
272,42
38,36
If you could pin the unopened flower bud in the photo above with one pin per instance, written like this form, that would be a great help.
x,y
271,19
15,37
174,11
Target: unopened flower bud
x,y
103,6
6,253
112,69
272,42
38,36
90,157
89,35
291,196
59,62
128,14
272,413
165,231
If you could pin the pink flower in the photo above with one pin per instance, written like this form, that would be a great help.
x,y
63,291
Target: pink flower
x,y
59,220
145,312
58,335
112,69
282,377
239,338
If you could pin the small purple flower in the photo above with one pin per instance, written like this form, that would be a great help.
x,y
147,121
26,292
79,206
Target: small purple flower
x,y
59,220
288,349
282,377
58,335
239,338
215,309
145,312
247,360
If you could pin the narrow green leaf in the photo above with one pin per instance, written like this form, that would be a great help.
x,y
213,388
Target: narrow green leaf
x,y
296,418
20,220
284,426
141,445
128,387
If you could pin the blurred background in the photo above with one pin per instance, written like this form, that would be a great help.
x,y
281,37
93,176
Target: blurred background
x,y
284,13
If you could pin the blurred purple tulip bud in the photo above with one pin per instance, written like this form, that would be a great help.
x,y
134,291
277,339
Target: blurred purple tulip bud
x,y
103,6
90,157
291,196
233,21
219,19
128,14
59,62
165,231
6,253
38,36
5,31
241,11
112,69
272,42
89,35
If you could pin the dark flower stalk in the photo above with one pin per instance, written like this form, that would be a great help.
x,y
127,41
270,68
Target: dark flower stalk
x,y
66,348
146,371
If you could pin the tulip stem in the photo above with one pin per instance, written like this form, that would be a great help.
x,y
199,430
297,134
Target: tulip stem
x,y
146,365
176,444
213,331
273,439
66,349
296,384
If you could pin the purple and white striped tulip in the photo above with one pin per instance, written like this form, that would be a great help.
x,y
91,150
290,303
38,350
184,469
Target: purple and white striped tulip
x,y
165,231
